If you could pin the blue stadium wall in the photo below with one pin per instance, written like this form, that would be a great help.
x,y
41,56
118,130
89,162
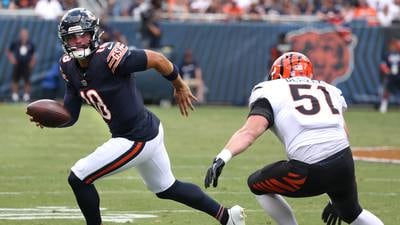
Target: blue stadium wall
x,y
233,56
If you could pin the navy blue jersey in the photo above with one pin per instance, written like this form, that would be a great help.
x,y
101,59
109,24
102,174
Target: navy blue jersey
x,y
392,60
23,53
108,85
188,70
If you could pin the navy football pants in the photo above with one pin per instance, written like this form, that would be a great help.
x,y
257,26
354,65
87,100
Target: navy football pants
x,y
334,176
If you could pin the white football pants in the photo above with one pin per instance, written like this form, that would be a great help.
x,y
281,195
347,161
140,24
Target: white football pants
x,y
118,154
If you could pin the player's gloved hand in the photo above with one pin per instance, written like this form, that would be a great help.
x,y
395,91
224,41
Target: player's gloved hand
x,y
213,172
330,216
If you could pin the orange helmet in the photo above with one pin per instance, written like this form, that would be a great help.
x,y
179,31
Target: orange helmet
x,y
291,64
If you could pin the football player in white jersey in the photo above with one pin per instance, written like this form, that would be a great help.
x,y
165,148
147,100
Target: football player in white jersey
x,y
307,116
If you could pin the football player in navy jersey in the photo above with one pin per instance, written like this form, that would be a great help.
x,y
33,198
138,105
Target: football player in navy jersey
x,y
101,76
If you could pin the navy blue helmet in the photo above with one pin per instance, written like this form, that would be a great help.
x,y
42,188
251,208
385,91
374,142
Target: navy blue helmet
x,y
78,21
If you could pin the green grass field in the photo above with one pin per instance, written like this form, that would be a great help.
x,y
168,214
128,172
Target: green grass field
x,y
34,165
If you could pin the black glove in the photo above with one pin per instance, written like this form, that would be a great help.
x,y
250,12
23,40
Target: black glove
x,y
213,172
330,215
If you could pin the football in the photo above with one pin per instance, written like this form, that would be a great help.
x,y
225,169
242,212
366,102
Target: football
x,y
48,113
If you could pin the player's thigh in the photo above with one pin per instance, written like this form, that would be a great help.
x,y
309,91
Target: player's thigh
x,y
282,177
115,155
156,171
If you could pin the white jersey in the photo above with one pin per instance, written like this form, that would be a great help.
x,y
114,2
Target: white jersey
x,y
308,116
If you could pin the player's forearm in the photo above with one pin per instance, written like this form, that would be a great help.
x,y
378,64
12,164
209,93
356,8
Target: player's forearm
x,y
73,106
245,136
240,141
159,62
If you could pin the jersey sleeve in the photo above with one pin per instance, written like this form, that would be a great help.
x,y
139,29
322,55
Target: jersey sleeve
x,y
122,61
337,93
262,107
342,99
72,103
62,65
257,93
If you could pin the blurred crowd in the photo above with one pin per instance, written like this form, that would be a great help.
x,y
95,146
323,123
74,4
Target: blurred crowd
x,y
374,12
28,4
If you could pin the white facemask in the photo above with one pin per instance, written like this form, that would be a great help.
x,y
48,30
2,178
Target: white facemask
x,y
81,53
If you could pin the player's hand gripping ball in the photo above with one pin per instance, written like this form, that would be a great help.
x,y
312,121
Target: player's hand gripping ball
x,y
48,113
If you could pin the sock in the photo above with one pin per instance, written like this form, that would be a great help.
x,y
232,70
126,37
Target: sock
x,y
26,97
367,218
384,106
276,206
192,196
15,97
87,198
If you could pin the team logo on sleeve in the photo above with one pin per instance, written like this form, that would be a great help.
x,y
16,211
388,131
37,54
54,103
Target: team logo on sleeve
x,y
115,55
330,51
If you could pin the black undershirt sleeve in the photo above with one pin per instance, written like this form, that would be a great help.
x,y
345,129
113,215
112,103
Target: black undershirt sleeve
x,y
262,107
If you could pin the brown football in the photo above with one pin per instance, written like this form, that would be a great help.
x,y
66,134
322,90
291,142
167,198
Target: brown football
x,y
48,113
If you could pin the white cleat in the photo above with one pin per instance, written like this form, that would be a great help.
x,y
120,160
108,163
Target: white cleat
x,y
236,216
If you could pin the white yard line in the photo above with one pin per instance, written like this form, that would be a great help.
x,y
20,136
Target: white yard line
x,y
61,212
371,159
150,193
374,148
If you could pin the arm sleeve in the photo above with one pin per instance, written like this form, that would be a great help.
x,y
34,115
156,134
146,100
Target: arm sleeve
x,y
72,103
262,107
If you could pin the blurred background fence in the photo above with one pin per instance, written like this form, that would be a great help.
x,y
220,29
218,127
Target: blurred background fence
x,y
233,56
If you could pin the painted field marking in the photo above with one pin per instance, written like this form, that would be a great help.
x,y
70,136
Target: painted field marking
x,y
61,212
124,192
384,154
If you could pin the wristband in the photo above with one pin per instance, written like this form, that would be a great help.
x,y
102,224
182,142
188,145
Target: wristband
x,y
225,155
173,75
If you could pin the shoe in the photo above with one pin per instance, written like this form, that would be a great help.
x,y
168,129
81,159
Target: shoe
x,y
384,106
236,216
